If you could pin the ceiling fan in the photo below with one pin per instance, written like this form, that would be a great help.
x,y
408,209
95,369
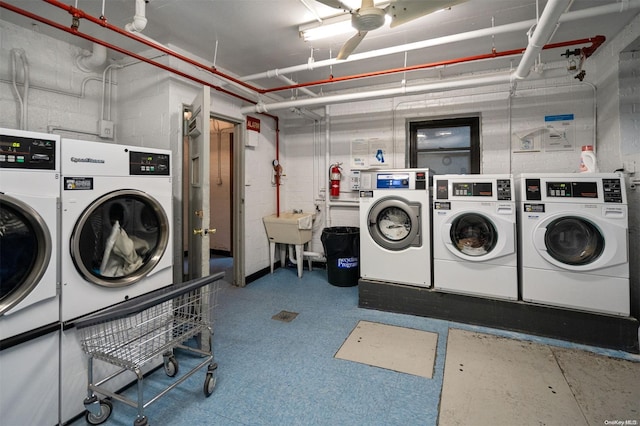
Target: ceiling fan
x,y
369,17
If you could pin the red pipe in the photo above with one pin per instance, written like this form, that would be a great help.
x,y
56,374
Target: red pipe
x,y
75,32
588,51
102,21
596,42
121,50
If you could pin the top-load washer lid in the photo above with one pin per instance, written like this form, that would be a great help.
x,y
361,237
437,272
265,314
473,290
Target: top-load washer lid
x,y
25,251
394,223
573,240
119,238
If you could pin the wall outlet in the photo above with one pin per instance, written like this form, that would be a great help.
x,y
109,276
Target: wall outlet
x,y
106,129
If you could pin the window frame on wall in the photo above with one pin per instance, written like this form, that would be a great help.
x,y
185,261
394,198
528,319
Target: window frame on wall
x,y
473,122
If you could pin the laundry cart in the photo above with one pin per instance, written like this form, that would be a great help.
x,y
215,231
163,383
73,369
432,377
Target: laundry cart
x,y
132,333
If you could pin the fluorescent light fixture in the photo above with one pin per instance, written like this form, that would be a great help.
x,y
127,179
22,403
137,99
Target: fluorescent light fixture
x,y
329,27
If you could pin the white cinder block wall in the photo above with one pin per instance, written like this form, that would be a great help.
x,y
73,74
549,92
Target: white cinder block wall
x,y
387,119
148,105
617,77
260,195
60,96
595,104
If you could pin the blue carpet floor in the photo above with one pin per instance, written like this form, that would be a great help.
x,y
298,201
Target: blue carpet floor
x,y
284,373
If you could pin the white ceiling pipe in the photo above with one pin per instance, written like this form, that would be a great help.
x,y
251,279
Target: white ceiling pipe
x,y
90,61
377,94
470,35
292,82
487,80
139,19
541,35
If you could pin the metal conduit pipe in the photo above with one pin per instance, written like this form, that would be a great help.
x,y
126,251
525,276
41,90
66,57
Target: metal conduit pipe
x,y
295,85
139,19
486,80
581,14
121,50
90,61
102,21
595,43
469,35
24,98
541,35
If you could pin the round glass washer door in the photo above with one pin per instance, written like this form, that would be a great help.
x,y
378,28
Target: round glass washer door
x,y
573,241
395,223
25,250
473,234
119,238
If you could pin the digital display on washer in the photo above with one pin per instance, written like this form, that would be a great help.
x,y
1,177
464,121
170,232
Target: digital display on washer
x,y
388,180
27,153
572,189
475,189
148,163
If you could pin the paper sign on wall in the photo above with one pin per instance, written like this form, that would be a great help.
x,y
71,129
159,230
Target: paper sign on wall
x,y
560,132
253,131
372,152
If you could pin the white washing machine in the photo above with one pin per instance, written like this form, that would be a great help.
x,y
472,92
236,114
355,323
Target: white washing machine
x,y
394,226
474,235
29,298
574,241
116,242
116,230
29,218
30,375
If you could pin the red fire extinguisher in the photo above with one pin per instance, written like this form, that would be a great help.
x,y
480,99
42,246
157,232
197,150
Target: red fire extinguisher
x,y
335,174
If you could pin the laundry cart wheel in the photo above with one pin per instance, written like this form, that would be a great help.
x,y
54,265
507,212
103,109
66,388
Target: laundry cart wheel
x,y
106,407
171,366
141,421
209,384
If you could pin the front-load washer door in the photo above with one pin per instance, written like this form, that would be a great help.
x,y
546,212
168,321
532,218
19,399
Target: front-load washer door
x,y
580,243
478,237
394,223
119,238
25,251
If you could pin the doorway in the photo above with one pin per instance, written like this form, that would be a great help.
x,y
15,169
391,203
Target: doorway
x,y
222,137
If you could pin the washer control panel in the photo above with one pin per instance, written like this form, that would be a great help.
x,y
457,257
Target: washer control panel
x,y
498,189
149,163
27,153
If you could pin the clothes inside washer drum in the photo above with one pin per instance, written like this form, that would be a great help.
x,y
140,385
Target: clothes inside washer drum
x,y
121,256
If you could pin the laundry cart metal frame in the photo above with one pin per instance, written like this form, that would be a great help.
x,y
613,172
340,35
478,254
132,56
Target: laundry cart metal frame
x,y
131,334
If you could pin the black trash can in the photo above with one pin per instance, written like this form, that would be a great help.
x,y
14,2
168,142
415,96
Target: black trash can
x,y
342,248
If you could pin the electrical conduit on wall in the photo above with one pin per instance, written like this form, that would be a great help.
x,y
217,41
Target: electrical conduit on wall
x,y
19,54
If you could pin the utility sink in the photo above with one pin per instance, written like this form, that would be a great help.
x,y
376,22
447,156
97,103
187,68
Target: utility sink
x,y
289,228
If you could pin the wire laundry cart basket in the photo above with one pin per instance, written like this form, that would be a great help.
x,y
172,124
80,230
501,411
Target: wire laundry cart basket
x,y
133,333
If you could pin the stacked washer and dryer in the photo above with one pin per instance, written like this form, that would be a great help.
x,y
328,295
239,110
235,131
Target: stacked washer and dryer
x,y
29,283
116,242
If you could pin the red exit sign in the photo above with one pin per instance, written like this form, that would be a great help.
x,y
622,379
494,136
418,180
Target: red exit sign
x,y
253,124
